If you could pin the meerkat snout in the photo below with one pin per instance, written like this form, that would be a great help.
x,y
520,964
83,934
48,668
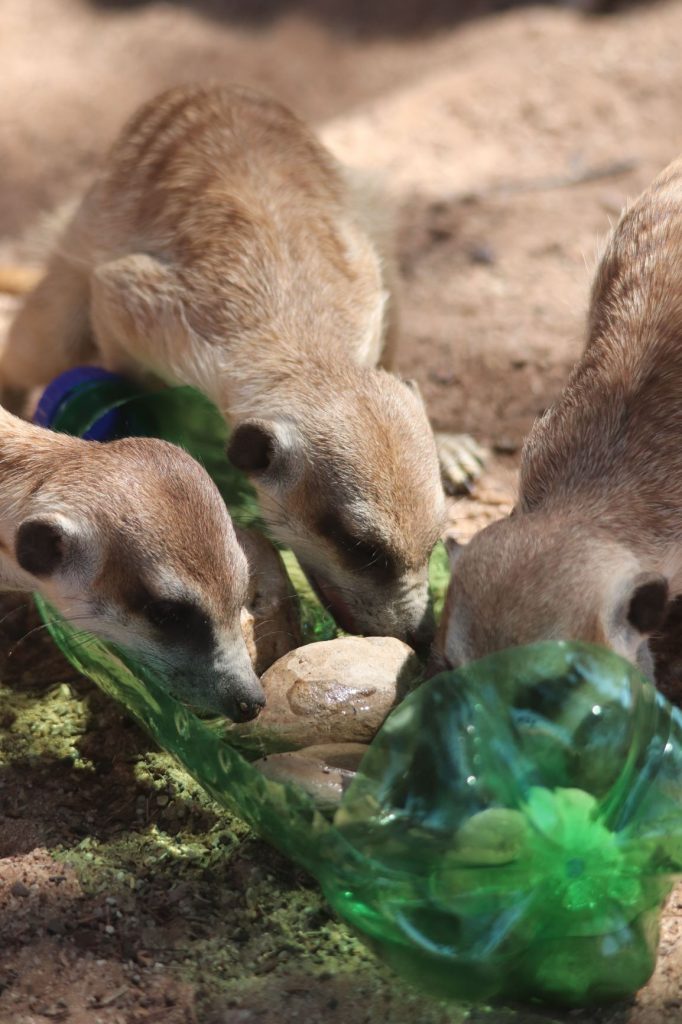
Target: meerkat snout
x,y
239,694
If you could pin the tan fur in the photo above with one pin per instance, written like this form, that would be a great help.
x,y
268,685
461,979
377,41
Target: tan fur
x,y
139,522
600,504
223,247
270,618
17,280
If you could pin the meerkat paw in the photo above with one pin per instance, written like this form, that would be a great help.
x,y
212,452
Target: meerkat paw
x,y
462,461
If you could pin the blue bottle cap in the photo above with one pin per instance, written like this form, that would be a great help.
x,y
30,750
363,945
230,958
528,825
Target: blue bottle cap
x,y
59,390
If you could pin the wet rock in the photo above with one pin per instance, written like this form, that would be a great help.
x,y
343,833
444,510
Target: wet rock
x,y
270,622
337,691
324,771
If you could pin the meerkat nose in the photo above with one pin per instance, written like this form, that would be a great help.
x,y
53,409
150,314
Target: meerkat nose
x,y
248,709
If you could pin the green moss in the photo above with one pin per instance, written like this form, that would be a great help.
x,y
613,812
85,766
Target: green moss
x,y
42,723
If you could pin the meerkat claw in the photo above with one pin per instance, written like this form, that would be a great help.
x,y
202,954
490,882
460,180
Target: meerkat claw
x,y
462,460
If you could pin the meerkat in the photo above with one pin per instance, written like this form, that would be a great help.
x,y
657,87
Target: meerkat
x,y
223,247
593,548
131,541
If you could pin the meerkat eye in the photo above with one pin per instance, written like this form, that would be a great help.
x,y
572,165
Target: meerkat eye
x,y
357,552
371,556
181,621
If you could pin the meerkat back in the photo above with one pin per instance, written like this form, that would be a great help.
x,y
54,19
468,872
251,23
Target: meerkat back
x,y
222,247
593,550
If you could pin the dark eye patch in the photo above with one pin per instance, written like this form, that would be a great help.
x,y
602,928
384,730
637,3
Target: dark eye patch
x,y
180,622
358,553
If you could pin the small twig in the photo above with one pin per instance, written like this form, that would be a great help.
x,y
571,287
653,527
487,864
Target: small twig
x,y
549,182
111,998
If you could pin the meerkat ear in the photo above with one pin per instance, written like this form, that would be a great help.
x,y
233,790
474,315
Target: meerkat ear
x,y
412,384
647,603
265,449
43,545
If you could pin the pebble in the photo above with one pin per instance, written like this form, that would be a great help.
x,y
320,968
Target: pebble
x,y
482,253
270,621
336,691
324,771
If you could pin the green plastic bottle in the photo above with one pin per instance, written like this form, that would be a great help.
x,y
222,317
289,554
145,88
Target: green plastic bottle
x,y
515,826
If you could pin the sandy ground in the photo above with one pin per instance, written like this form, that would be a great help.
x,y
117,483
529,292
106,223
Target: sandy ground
x,y
509,140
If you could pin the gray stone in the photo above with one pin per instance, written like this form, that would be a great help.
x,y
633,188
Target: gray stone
x,y
337,691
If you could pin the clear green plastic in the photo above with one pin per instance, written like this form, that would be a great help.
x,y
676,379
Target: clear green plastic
x,y
514,828
519,823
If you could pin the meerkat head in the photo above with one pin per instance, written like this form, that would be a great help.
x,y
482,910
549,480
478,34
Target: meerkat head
x,y
353,486
533,577
132,541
